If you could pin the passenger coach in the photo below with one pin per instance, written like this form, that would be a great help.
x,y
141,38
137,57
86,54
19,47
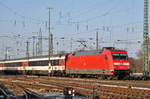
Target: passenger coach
x,y
37,65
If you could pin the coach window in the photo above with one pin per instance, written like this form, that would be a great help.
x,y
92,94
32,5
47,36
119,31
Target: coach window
x,y
39,63
32,63
61,62
13,64
20,64
45,62
57,62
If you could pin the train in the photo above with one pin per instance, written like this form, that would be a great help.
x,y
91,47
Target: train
x,y
107,62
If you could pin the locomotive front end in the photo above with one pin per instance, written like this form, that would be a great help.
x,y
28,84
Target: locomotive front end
x,y
121,63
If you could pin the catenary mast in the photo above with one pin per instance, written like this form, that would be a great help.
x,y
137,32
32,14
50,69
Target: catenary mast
x,y
146,40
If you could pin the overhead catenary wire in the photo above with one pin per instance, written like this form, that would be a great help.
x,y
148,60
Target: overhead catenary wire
x,y
112,26
89,8
18,14
102,15
107,12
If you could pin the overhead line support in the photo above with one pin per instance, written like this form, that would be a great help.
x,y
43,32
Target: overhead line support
x,y
146,40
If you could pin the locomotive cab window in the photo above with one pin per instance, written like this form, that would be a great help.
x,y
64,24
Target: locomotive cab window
x,y
123,56
115,56
119,56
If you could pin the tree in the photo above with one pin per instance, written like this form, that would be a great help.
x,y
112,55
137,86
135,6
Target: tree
x,y
137,64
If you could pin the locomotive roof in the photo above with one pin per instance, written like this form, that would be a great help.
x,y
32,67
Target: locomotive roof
x,y
94,52
86,53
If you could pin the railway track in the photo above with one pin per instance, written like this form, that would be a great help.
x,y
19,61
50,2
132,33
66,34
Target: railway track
x,y
104,89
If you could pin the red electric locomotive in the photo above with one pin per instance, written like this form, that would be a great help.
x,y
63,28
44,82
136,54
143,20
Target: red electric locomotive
x,y
106,62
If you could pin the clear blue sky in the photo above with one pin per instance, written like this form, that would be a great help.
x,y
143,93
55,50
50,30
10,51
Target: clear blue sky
x,y
76,19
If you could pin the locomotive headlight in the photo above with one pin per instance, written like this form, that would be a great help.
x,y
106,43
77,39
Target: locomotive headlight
x,y
116,63
125,63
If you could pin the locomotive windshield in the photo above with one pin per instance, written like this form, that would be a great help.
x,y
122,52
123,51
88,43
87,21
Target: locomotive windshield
x,y
119,56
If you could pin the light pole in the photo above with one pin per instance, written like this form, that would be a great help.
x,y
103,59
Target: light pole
x,y
33,44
